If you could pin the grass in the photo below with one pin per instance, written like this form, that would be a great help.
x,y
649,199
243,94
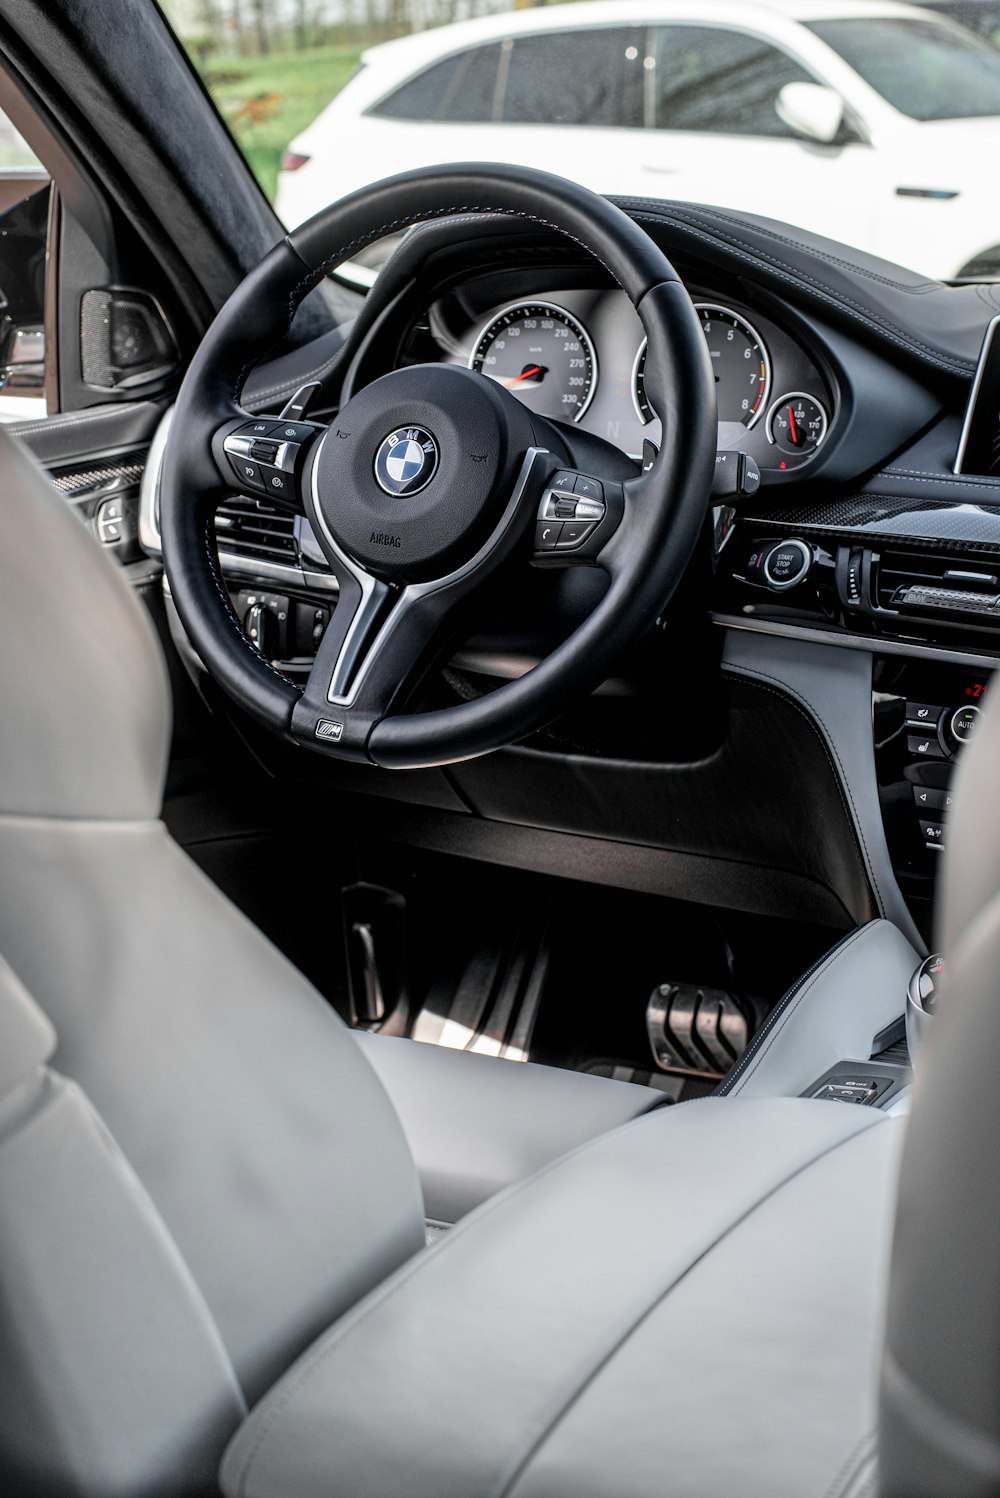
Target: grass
x,y
267,100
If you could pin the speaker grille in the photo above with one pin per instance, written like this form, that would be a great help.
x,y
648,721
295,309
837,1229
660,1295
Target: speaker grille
x,y
124,339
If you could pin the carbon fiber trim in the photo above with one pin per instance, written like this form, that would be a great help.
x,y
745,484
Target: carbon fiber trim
x,y
942,524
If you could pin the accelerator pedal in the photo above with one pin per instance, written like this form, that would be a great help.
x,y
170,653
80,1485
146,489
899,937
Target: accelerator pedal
x,y
696,1031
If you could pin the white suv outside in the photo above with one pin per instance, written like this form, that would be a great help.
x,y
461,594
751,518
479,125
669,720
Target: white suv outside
x,y
878,124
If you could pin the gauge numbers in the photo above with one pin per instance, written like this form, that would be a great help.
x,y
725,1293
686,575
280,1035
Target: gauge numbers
x,y
739,358
541,354
797,423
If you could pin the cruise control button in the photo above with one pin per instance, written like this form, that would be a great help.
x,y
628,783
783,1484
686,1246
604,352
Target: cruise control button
x,y
574,533
929,798
547,533
262,428
291,431
932,833
922,713
925,748
588,488
247,473
964,723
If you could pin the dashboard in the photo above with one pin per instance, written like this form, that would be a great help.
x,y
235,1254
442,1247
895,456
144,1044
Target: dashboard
x,y
838,626
578,354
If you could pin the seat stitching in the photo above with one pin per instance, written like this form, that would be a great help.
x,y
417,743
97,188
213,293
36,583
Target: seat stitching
x,y
852,1466
725,1232
794,1000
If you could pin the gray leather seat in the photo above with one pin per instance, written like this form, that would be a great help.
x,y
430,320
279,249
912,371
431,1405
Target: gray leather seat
x,y
202,1180
264,1140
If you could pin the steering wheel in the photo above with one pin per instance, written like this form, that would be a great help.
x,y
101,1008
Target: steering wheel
x,y
430,479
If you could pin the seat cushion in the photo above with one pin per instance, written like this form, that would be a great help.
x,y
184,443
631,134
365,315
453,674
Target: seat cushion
x,y
690,1305
476,1124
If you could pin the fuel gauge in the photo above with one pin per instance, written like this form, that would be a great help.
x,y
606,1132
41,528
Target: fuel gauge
x,y
797,423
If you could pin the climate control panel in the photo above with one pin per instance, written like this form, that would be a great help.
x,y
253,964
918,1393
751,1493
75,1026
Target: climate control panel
x,y
924,716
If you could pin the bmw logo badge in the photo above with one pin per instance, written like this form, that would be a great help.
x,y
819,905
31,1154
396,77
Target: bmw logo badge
x,y
406,461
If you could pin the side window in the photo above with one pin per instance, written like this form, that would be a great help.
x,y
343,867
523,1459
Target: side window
x,y
588,77
24,226
461,89
710,78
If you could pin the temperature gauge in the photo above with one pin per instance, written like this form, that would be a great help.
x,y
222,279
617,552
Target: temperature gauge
x,y
797,423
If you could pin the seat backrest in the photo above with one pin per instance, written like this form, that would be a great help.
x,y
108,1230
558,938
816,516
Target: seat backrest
x,y
112,1372
940,1402
263,1139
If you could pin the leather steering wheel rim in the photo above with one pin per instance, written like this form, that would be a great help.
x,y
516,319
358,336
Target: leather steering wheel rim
x,y
663,511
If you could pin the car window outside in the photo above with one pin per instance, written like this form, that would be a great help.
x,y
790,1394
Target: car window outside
x,y
858,124
604,65
926,71
711,78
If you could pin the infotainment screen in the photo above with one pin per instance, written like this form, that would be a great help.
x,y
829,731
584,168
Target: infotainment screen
x,y
979,446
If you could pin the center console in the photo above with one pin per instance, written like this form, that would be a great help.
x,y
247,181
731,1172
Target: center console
x,y
916,585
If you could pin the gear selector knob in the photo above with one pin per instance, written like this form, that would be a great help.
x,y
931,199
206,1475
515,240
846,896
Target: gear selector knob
x,y
921,998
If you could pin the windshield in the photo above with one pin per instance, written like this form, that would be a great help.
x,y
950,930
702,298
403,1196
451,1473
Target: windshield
x,y
927,71
728,106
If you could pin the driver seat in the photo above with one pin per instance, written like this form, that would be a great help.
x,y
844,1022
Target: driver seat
x,y
265,1143
202,1180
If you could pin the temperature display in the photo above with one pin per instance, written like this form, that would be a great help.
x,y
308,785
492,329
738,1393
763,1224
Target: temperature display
x,y
797,423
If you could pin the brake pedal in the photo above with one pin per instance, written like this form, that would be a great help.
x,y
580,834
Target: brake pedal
x,y
695,1030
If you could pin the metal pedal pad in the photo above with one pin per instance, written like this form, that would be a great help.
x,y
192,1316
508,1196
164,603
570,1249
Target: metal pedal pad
x,y
697,1030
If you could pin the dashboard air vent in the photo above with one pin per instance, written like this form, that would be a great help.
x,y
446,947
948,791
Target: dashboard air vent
x,y
253,528
919,581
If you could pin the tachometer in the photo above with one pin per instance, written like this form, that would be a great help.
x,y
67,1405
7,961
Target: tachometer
x,y
741,363
543,355
740,360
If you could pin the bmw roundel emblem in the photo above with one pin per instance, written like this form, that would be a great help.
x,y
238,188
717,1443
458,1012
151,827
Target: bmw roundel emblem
x,y
406,461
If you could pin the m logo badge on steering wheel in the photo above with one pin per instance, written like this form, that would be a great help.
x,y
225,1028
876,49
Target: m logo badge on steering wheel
x,y
406,461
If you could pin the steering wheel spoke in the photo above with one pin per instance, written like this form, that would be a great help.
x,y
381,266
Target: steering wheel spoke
x,y
266,458
384,637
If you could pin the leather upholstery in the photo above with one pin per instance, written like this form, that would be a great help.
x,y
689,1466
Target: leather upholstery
x,y
261,1135
689,1305
476,1124
940,1407
112,1371
268,1183
834,1014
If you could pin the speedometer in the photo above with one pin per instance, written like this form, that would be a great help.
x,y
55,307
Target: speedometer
x,y
541,354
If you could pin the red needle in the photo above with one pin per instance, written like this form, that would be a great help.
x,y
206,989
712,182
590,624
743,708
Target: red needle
x,y
791,423
524,375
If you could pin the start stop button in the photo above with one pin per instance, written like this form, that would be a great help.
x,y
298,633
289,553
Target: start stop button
x,y
786,564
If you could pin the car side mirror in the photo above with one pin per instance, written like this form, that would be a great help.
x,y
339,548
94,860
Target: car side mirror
x,y
811,110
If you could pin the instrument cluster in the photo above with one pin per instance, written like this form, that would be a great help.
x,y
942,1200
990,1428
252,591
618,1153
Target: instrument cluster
x,y
579,355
